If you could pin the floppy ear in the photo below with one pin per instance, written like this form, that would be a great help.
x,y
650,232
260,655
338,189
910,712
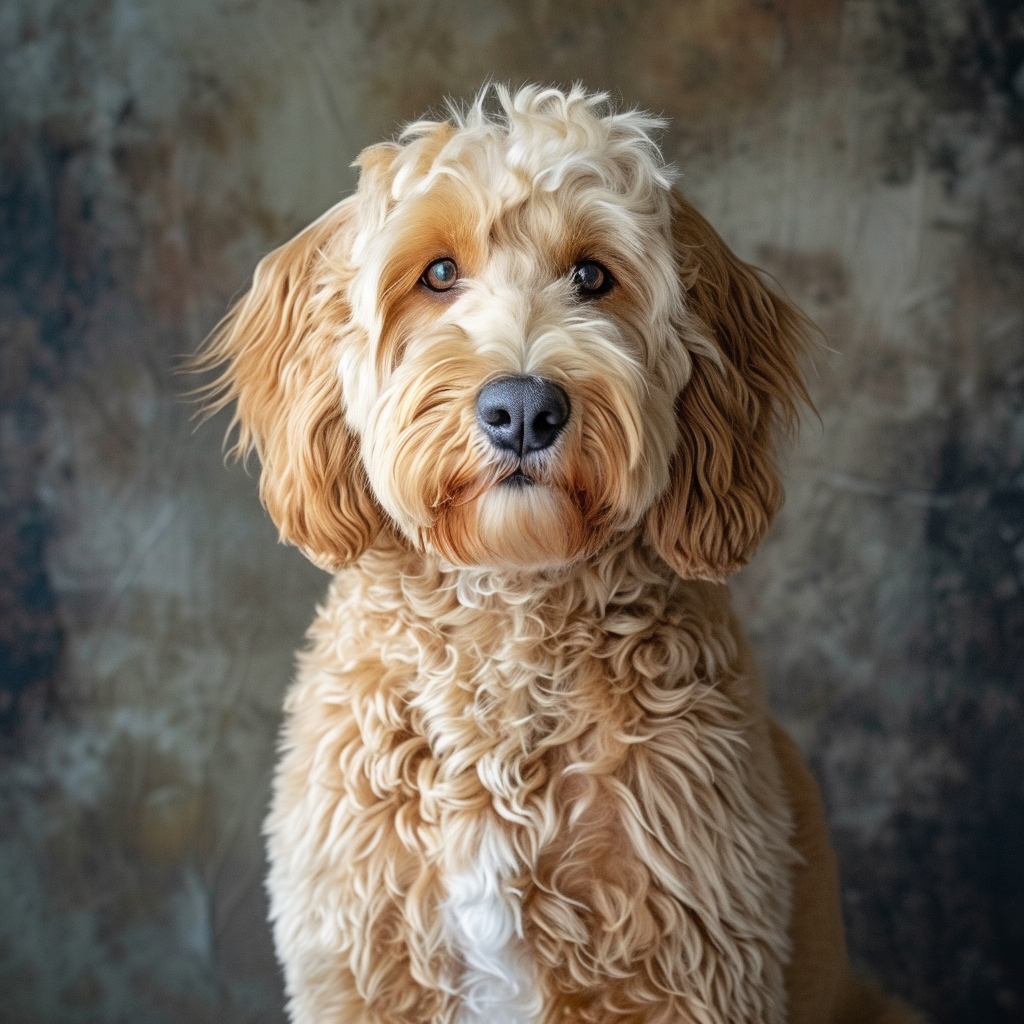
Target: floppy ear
x,y
724,489
278,354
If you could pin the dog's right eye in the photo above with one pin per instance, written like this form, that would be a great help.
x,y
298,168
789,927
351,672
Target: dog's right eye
x,y
441,275
591,280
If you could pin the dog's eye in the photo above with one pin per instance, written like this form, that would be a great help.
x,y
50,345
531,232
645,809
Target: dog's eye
x,y
440,276
590,279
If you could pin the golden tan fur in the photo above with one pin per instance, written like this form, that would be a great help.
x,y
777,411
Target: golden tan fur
x,y
528,772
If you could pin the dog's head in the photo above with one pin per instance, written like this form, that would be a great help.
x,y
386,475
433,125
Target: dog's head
x,y
513,343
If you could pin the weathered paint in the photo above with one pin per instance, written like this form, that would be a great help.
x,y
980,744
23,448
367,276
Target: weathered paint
x,y
868,153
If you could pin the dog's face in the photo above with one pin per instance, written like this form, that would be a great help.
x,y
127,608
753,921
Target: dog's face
x,y
515,352
512,344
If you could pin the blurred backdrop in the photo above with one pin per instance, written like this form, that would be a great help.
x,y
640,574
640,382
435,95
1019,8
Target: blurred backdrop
x,y
867,153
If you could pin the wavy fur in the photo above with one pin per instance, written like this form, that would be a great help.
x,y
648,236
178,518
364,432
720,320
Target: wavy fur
x,y
528,773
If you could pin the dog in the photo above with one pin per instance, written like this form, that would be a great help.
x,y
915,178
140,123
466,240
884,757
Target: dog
x,y
522,400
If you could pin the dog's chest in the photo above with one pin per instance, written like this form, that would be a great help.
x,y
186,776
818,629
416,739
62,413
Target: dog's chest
x,y
539,768
481,761
546,810
493,749
483,920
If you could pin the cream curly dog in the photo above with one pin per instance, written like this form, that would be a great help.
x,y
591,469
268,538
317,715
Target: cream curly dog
x,y
520,397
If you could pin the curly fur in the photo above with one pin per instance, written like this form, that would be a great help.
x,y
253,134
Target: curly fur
x,y
528,773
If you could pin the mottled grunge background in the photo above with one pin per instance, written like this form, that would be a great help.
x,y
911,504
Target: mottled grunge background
x,y
868,153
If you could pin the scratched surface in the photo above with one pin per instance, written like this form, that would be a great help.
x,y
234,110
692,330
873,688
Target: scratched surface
x,y
868,153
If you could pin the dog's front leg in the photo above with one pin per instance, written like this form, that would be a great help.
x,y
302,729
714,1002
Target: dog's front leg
x,y
356,897
666,899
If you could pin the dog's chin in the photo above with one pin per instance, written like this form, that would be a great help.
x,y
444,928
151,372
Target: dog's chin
x,y
517,524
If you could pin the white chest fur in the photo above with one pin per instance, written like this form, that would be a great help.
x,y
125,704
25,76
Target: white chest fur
x,y
484,920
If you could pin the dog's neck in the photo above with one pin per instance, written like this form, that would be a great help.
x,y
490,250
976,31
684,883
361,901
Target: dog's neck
x,y
510,675
588,585
625,589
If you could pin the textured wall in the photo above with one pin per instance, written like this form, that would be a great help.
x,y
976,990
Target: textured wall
x,y
869,153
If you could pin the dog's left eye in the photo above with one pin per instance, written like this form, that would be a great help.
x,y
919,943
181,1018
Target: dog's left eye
x,y
441,275
590,279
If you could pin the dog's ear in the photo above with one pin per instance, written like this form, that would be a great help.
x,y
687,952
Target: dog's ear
x,y
278,351
724,488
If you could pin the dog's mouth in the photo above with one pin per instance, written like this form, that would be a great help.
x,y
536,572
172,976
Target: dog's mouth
x,y
517,478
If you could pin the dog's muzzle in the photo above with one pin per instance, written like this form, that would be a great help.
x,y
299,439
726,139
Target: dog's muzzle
x,y
522,414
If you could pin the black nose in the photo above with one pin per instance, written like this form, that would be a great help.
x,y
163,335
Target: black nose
x,y
522,414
